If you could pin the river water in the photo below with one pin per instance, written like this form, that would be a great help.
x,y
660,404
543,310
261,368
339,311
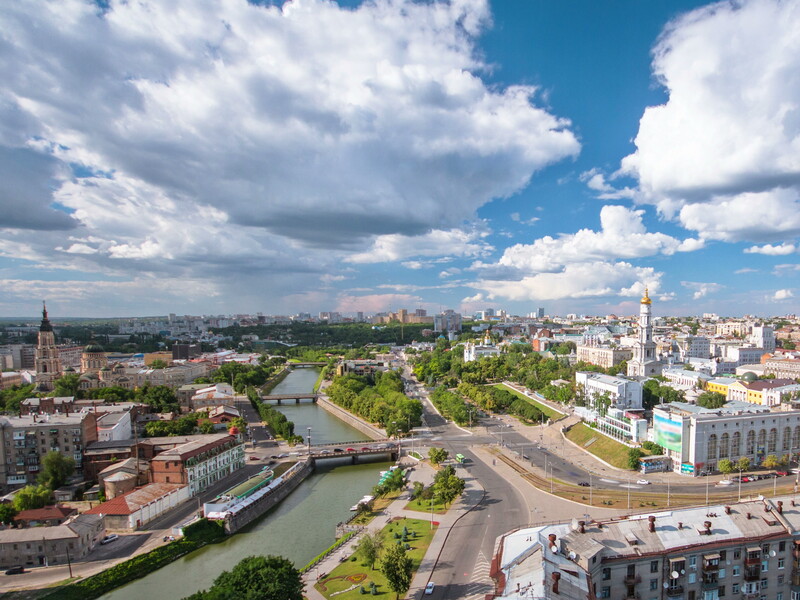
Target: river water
x,y
299,528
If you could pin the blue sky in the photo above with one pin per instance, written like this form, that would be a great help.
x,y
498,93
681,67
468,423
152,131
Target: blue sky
x,y
205,157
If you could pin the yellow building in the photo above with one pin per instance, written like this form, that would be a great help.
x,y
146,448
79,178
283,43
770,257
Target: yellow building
x,y
720,385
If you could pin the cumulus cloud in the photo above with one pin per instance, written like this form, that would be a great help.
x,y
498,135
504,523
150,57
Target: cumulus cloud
x,y
701,289
770,250
783,295
189,132
723,153
596,180
454,242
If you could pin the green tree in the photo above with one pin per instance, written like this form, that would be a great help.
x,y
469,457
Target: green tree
x,y
56,469
726,466
634,457
32,496
205,426
447,486
743,464
7,513
711,400
369,547
396,567
771,462
437,455
158,364
256,578
67,385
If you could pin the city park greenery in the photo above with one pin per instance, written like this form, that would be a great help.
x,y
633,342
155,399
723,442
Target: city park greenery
x,y
56,469
256,578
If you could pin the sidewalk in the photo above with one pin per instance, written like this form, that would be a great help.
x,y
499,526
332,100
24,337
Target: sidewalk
x,y
423,472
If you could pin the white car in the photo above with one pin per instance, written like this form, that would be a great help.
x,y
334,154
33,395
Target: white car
x,y
643,482
109,538
725,482
429,588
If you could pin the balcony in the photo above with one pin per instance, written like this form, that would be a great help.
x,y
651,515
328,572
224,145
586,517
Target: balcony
x,y
631,595
675,590
632,579
752,574
753,560
711,584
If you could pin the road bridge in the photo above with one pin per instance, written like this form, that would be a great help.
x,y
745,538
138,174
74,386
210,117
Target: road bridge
x,y
306,365
297,397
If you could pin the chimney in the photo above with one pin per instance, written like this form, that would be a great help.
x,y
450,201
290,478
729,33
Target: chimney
x,y
780,507
552,538
727,510
707,525
34,417
556,577
581,526
748,516
652,526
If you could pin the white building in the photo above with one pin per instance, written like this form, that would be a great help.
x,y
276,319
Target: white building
x,y
114,426
698,438
218,394
694,346
475,351
689,379
624,393
623,418
762,336
644,363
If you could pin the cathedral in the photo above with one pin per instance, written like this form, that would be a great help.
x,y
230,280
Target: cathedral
x,y
644,362
47,363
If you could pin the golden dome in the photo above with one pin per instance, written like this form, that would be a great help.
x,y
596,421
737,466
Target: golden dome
x,y
646,298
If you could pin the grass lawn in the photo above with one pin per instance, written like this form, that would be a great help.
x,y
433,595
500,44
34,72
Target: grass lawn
x,y
604,447
550,413
353,574
425,507
378,505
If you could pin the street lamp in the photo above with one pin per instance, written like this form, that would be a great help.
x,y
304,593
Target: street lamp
x,y
308,443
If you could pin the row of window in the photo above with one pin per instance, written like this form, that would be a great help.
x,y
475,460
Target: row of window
x,y
730,445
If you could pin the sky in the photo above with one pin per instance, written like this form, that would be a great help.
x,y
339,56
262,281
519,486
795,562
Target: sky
x,y
224,156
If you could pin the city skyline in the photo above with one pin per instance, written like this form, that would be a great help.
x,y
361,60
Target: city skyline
x,y
218,158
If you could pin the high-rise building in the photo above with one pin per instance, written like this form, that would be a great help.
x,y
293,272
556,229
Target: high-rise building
x,y
540,313
48,365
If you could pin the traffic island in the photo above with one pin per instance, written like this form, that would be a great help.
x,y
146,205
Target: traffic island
x,y
348,579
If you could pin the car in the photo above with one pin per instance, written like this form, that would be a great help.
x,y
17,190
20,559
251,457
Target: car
x,y
16,570
338,450
325,451
725,482
583,483
109,538
781,473
253,458
366,448
284,455
642,482
351,449
429,588
274,456
736,479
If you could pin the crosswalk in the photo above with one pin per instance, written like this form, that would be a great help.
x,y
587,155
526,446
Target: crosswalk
x,y
480,584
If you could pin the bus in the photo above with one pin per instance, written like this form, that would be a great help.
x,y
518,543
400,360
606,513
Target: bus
x,y
461,458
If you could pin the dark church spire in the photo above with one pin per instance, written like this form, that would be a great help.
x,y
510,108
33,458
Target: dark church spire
x,y
45,326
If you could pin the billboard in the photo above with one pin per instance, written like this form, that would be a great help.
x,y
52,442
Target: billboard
x,y
668,433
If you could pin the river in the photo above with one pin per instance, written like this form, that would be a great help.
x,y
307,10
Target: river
x,y
299,528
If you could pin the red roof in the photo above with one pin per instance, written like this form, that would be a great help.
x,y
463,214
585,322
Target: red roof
x,y
45,513
132,501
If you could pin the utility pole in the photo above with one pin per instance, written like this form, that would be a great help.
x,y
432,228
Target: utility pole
x,y
590,488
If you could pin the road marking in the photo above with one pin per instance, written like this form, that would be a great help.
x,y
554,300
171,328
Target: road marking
x,y
609,481
481,583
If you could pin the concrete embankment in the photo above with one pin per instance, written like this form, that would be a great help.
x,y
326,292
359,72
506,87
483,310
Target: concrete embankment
x,y
366,428
274,380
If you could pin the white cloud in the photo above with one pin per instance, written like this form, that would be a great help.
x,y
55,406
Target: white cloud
x,y
580,280
723,153
595,180
783,295
515,216
392,247
744,271
770,250
622,235
701,289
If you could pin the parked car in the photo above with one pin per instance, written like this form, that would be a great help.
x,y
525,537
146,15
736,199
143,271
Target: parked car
x,y
642,482
109,538
338,450
781,473
16,570
253,458
325,451
583,483
429,588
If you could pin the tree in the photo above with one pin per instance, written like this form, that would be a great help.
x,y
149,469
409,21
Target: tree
x,y
67,385
396,567
447,486
369,547
158,364
743,464
437,455
634,457
32,496
256,578
711,400
205,426
56,469
726,466
7,513
771,462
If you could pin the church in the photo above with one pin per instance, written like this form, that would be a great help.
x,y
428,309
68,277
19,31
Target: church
x,y
644,362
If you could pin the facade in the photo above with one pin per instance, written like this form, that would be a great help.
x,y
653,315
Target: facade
x,y
47,546
698,438
140,506
199,464
47,516
644,362
682,377
623,417
603,356
747,550
624,393
217,394
694,346
448,320
473,352
9,379
788,368
50,405
93,359
115,426
47,363
762,336
26,439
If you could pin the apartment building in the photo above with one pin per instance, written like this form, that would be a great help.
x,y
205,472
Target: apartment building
x,y
199,463
788,368
603,356
48,546
746,550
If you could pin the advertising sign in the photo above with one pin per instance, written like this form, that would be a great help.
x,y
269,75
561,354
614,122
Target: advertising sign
x,y
668,433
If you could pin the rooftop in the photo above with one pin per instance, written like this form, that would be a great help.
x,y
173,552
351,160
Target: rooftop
x,y
132,501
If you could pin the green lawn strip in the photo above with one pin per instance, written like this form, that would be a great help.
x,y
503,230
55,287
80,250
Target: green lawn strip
x,y
378,505
425,506
353,572
614,453
320,378
549,412
197,535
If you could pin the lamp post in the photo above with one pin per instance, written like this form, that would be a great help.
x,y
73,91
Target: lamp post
x,y
590,488
308,442
740,485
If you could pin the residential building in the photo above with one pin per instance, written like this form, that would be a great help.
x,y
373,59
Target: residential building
x,y
217,394
603,356
613,404
788,368
694,346
26,439
697,438
50,405
644,363
9,379
762,336
689,379
115,426
446,321
200,463
47,516
744,550
48,546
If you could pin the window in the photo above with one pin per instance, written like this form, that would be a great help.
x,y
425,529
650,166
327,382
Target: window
x,y
765,548
654,584
721,574
736,570
654,566
764,566
723,554
781,563
735,588
721,591
692,577
779,596
737,554
605,592
606,574
764,583
780,579
781,546
692,561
